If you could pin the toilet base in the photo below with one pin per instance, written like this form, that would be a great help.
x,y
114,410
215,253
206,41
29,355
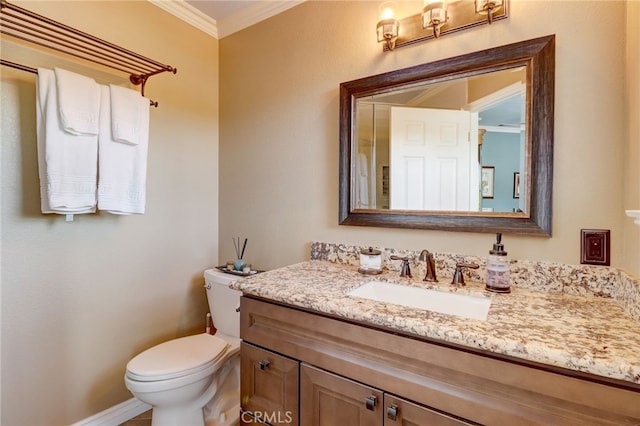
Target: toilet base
x,y
182,417
222,407
166,416
230,417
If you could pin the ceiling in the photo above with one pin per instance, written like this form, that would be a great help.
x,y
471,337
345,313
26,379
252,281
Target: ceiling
x,y
220,18
220,9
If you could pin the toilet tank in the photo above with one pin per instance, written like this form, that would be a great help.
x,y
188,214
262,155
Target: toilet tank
x,y
223,301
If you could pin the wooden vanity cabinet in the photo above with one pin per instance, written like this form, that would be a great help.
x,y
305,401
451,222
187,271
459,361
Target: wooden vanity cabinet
x,y
349,373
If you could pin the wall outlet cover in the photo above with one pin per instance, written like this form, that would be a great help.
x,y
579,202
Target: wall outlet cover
x,y
595,247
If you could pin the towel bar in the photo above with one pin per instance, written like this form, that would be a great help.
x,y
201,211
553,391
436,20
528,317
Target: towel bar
x,y
28,26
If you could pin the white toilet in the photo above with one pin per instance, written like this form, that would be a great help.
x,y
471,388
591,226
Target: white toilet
x,y
195,380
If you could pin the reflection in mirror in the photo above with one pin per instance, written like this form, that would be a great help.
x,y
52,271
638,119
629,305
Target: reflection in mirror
x,y
424,148
464,143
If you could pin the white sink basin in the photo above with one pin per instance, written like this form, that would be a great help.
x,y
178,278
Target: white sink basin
x,y
463,305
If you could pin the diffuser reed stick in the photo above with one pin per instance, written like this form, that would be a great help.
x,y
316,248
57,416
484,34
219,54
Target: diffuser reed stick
x,y
244,246
239,251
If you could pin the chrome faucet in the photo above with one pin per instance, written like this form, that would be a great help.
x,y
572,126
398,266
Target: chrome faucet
x,y
430,266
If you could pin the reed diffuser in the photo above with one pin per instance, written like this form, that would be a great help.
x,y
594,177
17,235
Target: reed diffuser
x,y
239,263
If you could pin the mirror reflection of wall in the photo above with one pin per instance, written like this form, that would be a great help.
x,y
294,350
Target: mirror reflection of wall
x,y
364,158
372,156
502,150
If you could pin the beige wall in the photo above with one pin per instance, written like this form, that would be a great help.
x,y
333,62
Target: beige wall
x,y
80,299
279,128
632,155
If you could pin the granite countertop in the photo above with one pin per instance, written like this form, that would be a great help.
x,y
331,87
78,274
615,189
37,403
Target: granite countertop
x,y
584,333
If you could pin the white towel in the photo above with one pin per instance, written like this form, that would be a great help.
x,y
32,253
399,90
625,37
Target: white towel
x,y
123,167
129,115
78,102
67,163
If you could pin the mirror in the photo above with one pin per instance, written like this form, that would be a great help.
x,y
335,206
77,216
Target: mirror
x,y
461,144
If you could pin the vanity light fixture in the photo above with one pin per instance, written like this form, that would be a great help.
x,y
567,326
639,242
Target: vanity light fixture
x,y
438,17
434,15
388,26
488,7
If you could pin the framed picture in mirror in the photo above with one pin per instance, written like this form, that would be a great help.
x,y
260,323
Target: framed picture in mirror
x,y
488,173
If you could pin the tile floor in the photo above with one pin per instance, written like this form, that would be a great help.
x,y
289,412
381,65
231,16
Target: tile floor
x,y
143,419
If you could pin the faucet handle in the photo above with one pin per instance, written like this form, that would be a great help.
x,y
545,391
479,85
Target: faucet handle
x,y
458,276
405,270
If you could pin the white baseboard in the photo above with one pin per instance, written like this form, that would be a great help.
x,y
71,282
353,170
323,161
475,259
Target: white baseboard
x,y
117,414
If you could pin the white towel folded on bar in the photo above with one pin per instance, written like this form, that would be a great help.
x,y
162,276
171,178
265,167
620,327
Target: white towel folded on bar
x,y
123,166
78,102
67,163
129,115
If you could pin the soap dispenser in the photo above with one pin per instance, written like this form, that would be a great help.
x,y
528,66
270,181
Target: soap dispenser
x,y
498,268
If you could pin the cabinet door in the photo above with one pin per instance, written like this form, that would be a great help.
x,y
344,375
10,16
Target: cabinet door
x,y
268,385
402,412
330,400
247,419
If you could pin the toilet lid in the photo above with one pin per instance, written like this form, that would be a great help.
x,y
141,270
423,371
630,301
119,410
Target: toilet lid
x,y
177,358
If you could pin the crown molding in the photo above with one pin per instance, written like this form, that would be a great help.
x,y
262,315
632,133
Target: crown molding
x,y
229,25
189,14
253,14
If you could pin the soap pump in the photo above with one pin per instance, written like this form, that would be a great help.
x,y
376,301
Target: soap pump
x,y
498,268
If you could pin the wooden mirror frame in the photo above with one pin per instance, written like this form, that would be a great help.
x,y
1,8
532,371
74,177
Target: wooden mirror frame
x,y
538,55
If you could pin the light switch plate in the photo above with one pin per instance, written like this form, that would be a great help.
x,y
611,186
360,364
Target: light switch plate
x,y
595,247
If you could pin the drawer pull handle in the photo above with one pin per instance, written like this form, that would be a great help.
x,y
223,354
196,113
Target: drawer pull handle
x,y
264,364
392,412
370,402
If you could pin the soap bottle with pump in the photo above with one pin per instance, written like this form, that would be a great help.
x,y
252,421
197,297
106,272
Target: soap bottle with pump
x,y
498,268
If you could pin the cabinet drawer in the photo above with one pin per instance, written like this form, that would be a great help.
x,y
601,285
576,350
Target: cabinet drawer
x,y
269,385
398,411
329,399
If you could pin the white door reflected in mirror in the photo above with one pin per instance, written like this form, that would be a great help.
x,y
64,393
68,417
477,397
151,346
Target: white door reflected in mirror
x,y
432,158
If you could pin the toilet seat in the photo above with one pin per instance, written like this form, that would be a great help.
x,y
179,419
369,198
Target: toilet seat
x,y
177,358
